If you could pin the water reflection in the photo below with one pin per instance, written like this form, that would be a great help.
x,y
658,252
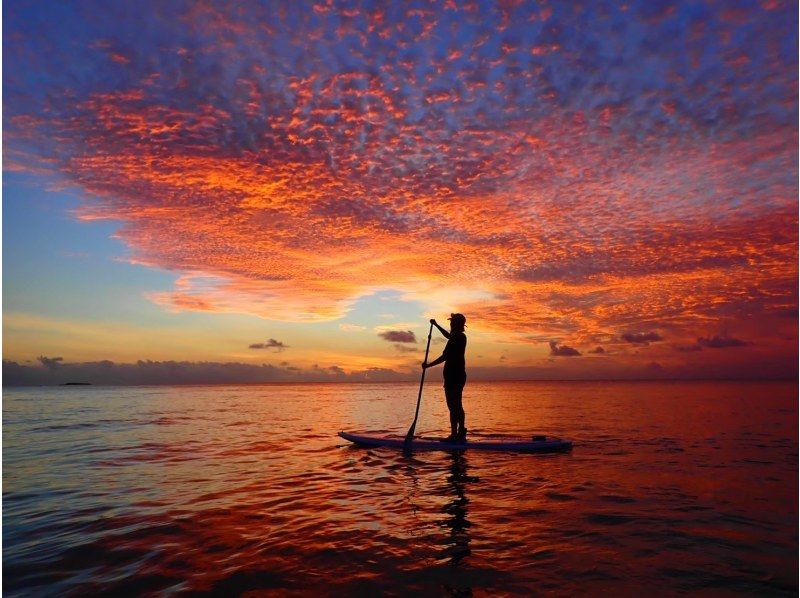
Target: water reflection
x,y
229,490
457,542
441,484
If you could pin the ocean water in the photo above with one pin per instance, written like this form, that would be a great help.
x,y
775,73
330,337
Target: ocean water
x,y
671,488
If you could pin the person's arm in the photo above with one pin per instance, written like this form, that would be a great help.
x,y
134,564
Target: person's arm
x,y
436,361
443,357
445,333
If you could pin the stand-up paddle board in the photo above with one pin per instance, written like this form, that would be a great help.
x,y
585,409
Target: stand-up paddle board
x,y
528,445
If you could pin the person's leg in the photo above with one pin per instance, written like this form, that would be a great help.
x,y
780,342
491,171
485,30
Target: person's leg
x,y
459,409
452,406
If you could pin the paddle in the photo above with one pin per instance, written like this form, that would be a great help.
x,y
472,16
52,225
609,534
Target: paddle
x,y
410,435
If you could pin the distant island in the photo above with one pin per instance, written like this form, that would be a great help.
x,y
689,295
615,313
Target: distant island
x,y
76,384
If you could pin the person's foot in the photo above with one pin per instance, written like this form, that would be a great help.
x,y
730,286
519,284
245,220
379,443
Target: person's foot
x,y
451,438
461,436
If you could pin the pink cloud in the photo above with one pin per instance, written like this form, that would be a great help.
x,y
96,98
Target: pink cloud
x,y
285,174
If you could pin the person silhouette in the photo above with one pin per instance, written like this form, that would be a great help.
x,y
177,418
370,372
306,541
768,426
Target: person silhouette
x,y
454,372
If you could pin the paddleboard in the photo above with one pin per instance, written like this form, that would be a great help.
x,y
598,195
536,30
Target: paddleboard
x,y
528,445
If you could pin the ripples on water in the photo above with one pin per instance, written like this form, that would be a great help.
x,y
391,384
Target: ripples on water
x,y
671,488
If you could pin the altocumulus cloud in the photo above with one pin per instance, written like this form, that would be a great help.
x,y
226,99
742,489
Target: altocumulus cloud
x,y
398,336
288,188
408,111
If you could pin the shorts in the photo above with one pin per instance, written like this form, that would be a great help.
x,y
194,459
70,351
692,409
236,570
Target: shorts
x,y
455,382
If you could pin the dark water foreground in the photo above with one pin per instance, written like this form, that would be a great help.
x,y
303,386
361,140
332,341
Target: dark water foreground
x,y
671,488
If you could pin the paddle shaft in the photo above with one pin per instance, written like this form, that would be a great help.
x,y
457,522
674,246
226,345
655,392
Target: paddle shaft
x,y
410,434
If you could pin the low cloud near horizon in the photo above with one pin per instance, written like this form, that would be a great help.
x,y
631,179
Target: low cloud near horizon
x,y
270,344
642,338
51,371
398,336
54,371
563,350
721,342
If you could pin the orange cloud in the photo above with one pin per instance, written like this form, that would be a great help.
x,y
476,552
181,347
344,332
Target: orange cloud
x,y
549,208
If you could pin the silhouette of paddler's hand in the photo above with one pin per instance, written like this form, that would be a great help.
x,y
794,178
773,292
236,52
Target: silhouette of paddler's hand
x,y
424,365
433,321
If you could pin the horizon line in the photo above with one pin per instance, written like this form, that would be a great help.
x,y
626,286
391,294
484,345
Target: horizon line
x,y
83,384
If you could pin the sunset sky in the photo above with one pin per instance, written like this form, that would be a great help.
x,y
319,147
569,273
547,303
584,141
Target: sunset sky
x,y
604,189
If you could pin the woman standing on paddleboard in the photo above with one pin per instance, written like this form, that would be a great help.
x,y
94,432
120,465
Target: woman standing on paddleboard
x,y
455,374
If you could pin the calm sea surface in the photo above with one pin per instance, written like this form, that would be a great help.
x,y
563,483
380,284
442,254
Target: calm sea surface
x,y
671,488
